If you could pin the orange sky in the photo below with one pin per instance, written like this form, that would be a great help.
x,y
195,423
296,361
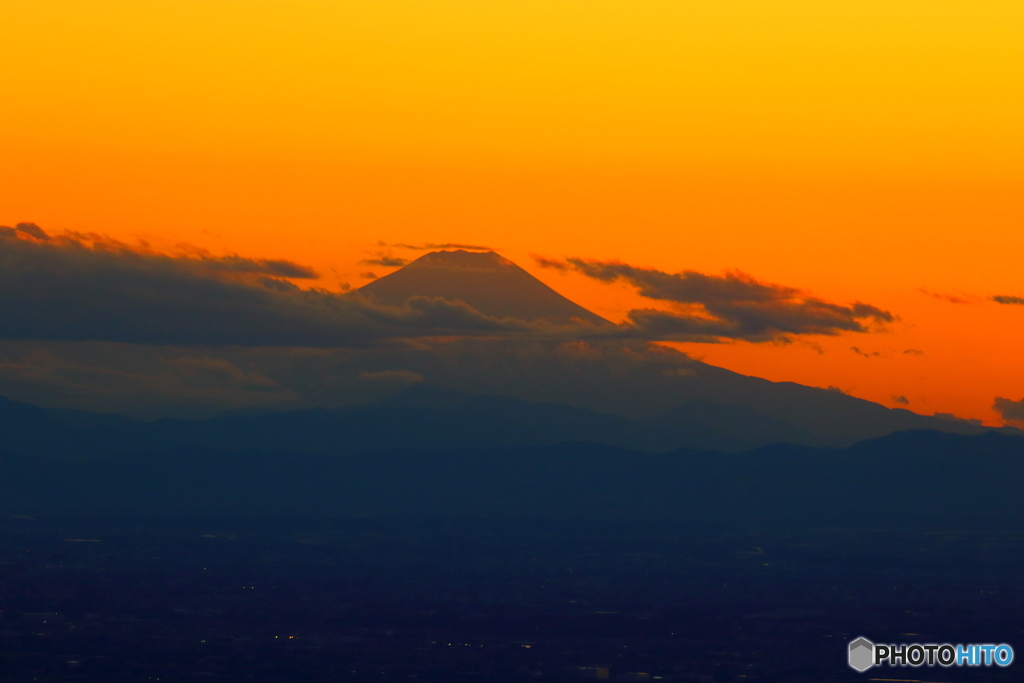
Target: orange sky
x,y
860,150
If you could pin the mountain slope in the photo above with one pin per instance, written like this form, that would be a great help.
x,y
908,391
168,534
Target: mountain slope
x,y
486,281
645,382
614,378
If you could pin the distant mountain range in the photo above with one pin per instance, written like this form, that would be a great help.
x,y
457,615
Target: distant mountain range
x,y
501,391
422,417
912,480
525,428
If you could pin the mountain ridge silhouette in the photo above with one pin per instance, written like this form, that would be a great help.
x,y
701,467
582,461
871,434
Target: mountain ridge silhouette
x,y
421,416
908,480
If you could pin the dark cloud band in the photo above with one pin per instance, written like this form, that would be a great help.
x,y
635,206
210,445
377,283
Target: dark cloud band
x,y
386,261
65,288
733,305
443,245
1009,410
86,287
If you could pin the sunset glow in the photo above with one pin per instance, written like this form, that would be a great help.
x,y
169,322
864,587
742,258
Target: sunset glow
x,y
868,151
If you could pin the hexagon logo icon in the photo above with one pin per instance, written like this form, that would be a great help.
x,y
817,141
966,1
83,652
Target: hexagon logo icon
x,y
862,654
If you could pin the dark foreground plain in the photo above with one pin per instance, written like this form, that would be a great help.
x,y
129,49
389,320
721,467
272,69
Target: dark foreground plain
x,y
127,599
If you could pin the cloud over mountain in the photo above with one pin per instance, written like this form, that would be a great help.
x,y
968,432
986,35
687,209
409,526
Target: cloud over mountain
x,y
90,322
429,246
86,287
733,305
386,261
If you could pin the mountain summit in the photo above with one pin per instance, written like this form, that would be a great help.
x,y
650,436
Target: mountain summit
x,y
488,282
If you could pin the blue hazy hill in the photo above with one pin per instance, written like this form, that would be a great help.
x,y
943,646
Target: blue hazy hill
x,y
919,479
423,417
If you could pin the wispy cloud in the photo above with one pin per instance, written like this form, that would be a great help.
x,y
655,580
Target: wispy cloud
x,y
386,261
404,376
943,296
733,305
950,417
28,229
443,245
1008,409
1003,299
